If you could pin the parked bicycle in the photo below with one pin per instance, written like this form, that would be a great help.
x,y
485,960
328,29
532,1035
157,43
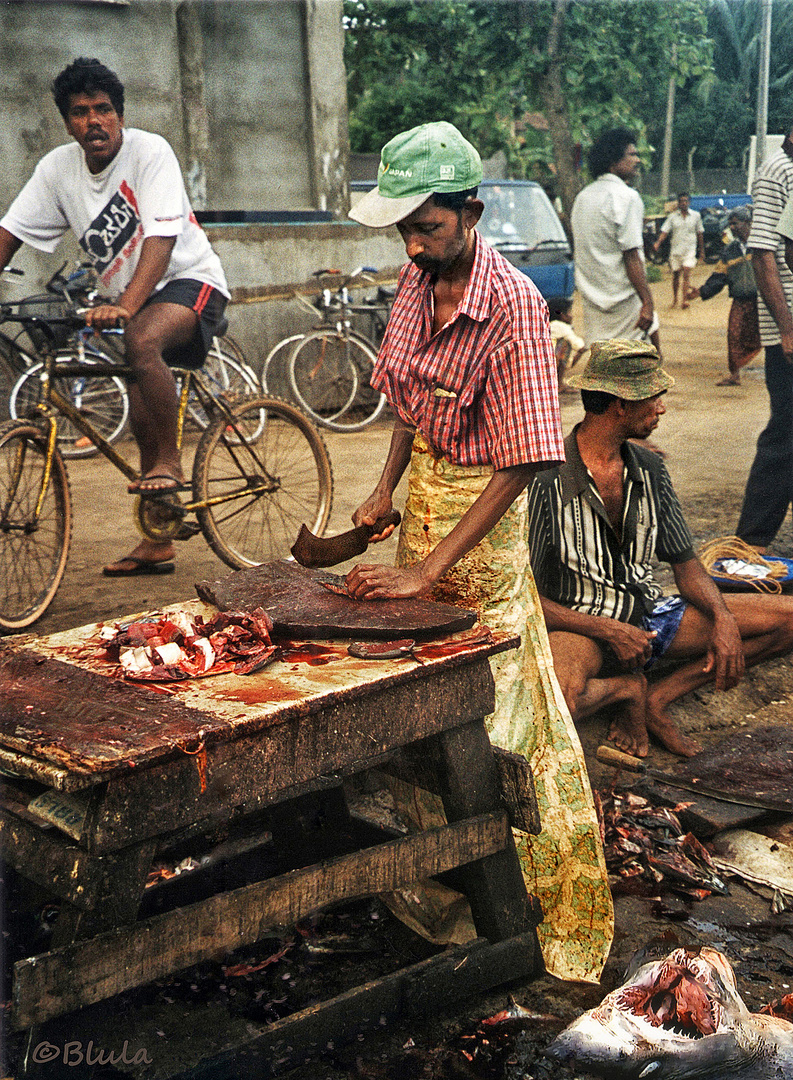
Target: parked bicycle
x,y
104,399
261,469
329,368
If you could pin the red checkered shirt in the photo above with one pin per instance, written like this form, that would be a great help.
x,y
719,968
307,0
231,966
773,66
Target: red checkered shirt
x,y
483,390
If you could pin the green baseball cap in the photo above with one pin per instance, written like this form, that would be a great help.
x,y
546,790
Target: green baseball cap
x,y
630,370
413,165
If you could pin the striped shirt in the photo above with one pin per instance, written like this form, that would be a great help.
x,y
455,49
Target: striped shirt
x,y
483,390
772,189
578,559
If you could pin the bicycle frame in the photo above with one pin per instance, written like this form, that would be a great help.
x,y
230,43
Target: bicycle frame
x,y
53,400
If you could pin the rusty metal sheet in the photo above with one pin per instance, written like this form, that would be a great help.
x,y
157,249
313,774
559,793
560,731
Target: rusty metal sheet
x,y
300,605
756,764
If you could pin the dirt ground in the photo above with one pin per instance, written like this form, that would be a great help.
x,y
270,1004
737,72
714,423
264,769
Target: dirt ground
x,y
708,436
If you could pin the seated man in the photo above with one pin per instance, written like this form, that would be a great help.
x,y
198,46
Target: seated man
x,y
594,525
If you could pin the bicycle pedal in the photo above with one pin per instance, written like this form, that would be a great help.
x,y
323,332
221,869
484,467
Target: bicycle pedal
x,y
187,530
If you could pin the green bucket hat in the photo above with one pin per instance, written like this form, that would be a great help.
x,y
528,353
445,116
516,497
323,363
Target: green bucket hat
x,y
413,165
627,369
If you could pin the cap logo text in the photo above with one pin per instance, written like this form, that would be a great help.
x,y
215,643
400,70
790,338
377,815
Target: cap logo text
x,y
447,172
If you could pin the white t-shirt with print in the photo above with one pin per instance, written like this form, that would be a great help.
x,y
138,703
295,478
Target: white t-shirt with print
x,y
140,193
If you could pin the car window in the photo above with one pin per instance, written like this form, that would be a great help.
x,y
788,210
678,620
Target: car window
x,y
518,215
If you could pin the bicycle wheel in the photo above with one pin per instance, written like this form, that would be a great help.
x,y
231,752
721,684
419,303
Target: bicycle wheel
x,y
103,401
33,549
323,370
274,376
266,471
322,376
13,362
223,375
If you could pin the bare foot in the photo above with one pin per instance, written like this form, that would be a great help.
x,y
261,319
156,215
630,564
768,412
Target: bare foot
x,y
684,305
666,732
628,735
729,381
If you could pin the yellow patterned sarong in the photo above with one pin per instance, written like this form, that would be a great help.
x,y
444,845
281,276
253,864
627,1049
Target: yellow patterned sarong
x,y
564,866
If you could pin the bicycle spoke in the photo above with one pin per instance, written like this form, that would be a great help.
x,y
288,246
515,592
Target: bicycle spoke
x,y
270,483
33,548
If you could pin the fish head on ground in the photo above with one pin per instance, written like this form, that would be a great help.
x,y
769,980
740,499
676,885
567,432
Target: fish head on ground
x,y
679,1018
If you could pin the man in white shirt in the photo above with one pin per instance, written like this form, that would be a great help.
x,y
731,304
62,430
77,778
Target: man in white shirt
x,y
607,222
684,225
121,193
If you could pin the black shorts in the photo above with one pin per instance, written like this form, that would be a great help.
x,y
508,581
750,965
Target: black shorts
x,y
209,305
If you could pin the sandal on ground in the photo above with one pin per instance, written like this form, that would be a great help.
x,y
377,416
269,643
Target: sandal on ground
x,y
139,568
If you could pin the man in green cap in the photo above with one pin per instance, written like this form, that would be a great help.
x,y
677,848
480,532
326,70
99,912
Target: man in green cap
x,y
468,367
595,523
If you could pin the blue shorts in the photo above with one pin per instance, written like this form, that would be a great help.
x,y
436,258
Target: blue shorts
x,y
665,619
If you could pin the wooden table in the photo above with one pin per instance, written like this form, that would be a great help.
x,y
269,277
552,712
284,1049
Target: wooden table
x,y
120,771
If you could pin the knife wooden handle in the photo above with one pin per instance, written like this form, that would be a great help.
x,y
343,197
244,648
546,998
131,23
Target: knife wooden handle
x,y
608,756
393,517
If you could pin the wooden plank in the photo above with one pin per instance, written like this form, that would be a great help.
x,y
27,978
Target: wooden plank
x,y
517,790
30,768
45,857
76,975
494,885
703,816
414,992
83,725
259,769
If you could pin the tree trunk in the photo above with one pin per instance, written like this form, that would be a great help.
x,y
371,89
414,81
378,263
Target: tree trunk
x,y
555,104
555,108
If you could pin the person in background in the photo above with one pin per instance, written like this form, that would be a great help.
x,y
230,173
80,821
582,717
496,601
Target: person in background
x,y
568,346
120,191
687,244
734,269
769,487
468,367
607,222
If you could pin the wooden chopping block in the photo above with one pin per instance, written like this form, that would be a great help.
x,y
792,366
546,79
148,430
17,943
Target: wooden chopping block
x,y
300,606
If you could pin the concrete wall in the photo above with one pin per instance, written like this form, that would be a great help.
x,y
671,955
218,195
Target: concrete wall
x,y
268,120
269,259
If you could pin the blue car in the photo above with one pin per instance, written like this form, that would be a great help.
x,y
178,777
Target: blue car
x,y
520,222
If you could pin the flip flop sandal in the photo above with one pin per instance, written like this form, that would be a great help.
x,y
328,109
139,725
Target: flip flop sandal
x,y
166,489
140,568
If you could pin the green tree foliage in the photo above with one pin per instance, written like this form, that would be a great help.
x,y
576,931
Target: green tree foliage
x,y
486,66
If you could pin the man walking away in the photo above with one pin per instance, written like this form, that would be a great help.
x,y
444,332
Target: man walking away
x,y
607,222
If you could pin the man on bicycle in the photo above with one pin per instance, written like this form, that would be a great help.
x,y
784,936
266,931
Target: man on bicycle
x,y
120,190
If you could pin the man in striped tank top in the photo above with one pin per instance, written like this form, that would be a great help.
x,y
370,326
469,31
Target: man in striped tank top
x,y
769,488
595,524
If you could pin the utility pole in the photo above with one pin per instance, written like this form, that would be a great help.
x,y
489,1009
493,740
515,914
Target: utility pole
x,y
762,85
190,40
670,119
